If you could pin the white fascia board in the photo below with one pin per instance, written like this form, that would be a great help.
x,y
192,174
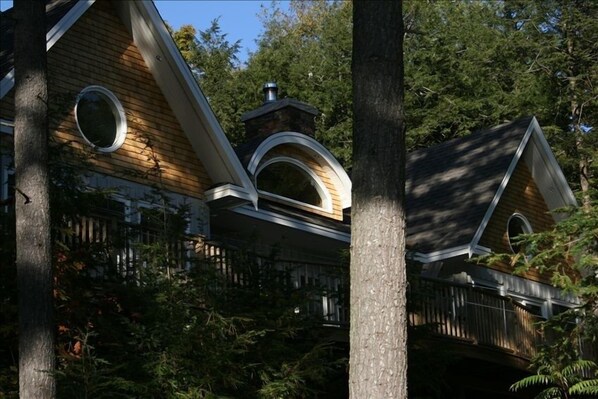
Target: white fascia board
x,y
7,127
8,82
552,165
440,255
443,254
503,185
183,94
294,223
227,190
300,139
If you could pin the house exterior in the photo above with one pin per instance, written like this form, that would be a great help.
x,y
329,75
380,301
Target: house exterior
x,y
125,99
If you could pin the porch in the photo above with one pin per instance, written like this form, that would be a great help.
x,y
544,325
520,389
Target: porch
x,y
464,315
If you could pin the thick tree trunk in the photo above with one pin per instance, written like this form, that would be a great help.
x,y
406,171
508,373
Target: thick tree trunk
x,y
34,266
378,359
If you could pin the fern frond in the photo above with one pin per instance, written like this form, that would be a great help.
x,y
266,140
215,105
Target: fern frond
x,y
587,387
550,393
579,366
532,380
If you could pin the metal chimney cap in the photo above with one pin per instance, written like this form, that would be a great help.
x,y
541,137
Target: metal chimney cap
x,y
270,92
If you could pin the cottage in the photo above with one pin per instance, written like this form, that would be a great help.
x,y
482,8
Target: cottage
x,y
123,95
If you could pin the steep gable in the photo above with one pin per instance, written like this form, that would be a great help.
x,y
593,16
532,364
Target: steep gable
x,y
98,50
454,188
224,177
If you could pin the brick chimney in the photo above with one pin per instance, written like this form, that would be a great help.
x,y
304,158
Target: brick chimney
x,y
277,115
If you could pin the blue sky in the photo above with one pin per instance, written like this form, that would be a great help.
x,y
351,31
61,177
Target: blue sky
x,y
238,18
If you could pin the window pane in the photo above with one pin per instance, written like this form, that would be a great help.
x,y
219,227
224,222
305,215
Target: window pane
x,y
96,119
289,181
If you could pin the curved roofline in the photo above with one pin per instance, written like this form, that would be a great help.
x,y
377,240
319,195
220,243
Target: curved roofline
x,y
318,183
300,139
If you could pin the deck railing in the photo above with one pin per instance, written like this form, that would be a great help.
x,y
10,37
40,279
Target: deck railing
x,y
475,316
448,310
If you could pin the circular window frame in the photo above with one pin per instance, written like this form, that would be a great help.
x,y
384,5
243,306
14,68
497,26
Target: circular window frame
x,y
526,227
119,115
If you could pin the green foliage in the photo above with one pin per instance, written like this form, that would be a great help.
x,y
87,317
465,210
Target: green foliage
x,y
561,381
188,335
569,255
468,65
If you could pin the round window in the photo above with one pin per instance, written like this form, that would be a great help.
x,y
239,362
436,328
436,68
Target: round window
x,y
101,118
516,226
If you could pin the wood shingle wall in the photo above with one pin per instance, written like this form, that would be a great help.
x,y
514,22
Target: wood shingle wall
x,y
98,50
521,196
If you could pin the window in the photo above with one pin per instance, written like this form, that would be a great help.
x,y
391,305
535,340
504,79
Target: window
x,y
101,118
7,177
535,306
517,225
291,181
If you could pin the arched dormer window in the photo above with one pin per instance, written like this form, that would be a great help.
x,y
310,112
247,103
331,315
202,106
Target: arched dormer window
x,y
288,179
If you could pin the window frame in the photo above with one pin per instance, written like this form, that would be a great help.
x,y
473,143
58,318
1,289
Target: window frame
x,y
119,115
527,229
320,187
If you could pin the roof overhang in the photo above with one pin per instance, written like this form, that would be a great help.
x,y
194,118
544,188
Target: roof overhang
x,y
227,196
57,31
172,74
435,256
545,171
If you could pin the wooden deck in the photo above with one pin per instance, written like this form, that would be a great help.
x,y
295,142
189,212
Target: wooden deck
x,y
474,316
461,313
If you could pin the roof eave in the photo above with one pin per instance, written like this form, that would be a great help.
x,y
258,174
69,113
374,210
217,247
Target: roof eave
x,y
57,31
182,92
534,131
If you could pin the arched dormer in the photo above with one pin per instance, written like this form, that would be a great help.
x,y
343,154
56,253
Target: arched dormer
x,y
288,179
295,169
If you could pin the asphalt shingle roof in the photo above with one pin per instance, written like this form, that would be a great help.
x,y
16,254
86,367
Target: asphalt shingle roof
x,y
450,186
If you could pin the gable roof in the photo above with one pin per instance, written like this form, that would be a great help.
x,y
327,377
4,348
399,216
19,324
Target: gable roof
x,y
171,73
454,187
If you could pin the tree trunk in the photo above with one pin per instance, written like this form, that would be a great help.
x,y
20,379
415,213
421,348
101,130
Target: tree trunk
x,y
576,122
378,359
34,266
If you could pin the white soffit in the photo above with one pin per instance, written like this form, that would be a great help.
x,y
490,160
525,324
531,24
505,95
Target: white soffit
x,y
183,94
284,220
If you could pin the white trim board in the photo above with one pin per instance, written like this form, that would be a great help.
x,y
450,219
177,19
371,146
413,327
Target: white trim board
x,y
340,178
286,221
57,31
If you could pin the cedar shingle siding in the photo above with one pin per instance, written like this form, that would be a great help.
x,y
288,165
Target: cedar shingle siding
x,y
520,196
98,50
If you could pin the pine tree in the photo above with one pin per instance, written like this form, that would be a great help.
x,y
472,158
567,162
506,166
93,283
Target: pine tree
x,y
33,242
378,334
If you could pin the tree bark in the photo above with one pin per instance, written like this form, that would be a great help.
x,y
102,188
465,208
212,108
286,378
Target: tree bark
x,y
378,336
576,121
34,266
